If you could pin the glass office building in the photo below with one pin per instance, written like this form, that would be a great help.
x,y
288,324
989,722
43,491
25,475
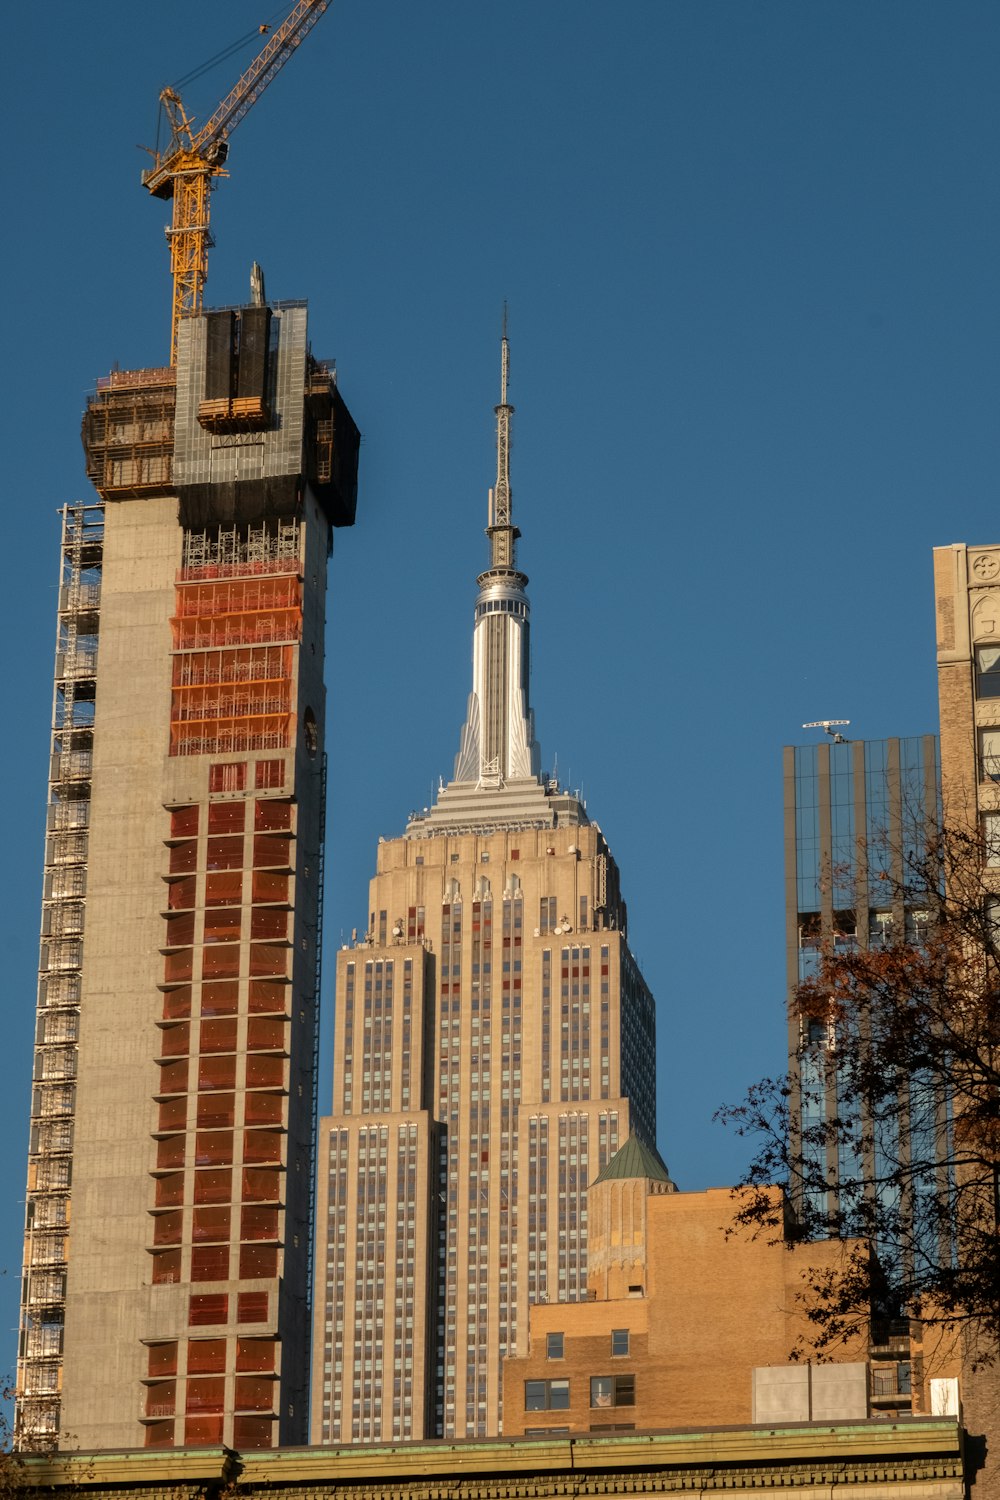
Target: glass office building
x,y
859,818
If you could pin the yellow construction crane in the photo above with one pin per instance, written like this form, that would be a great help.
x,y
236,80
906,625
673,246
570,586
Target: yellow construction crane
x,y
186,169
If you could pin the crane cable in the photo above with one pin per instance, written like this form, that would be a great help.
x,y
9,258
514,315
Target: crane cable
x,y
250,36
212,62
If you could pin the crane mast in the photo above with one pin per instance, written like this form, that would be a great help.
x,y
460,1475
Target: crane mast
x,y
186,169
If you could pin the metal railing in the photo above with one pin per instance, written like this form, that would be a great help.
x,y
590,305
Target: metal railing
x,y
891,1383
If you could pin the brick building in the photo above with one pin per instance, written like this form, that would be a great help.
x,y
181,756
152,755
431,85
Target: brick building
x,y
689,1324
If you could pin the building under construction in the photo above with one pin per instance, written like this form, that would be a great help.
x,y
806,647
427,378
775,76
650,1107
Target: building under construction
x,y
167,1248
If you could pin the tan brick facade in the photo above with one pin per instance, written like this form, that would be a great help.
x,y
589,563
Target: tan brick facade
x,y
964,615
716,1306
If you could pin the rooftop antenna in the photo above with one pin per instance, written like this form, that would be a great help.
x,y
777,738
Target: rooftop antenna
x,y
500,494
829,726
504,358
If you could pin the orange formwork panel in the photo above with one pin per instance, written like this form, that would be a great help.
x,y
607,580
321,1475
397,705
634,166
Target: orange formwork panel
x,y
232,665
239,596
237,630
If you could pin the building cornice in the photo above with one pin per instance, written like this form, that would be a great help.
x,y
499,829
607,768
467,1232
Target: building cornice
x,y
871,1457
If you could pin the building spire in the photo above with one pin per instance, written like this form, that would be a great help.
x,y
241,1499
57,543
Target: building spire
x,y
497,781
498,740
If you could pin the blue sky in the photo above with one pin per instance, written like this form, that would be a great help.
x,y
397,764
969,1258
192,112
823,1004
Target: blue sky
x,y
750,251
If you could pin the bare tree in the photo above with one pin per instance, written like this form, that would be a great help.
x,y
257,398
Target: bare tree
x,y
887,1129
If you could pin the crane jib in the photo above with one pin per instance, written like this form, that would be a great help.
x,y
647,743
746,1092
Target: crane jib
x,y
184,171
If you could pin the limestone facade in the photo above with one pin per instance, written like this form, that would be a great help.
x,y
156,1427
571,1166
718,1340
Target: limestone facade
x,y
493,1047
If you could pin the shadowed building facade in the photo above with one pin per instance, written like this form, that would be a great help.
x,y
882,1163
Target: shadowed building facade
x,y
860,817
494,1045
166,1270
967,609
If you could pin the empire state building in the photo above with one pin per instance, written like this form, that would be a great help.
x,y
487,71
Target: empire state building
x,y
494,1046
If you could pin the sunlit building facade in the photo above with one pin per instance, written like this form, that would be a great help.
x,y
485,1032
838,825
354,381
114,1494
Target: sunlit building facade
x,y
494,1045
166,1265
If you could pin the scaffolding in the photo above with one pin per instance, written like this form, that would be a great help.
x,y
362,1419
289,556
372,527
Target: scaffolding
x,y
237,618
128,434
229,551
50,1151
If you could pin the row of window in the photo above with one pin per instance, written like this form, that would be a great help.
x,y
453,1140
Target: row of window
x,y
221,997
213,1307
206,1429
555,1342
225,852
553,1432
231,817
554,1395
208,1393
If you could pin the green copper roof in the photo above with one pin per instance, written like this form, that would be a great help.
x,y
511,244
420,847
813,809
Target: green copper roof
x,y
634,1159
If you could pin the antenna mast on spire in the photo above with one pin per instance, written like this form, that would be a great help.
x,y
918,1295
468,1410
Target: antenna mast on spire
x,y
501,533
504,359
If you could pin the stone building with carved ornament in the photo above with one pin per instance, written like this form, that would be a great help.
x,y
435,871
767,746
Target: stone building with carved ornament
x,y
494,1046
967,597
967,608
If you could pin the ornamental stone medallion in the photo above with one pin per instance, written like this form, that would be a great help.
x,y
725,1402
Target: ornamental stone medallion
x,y
986,565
